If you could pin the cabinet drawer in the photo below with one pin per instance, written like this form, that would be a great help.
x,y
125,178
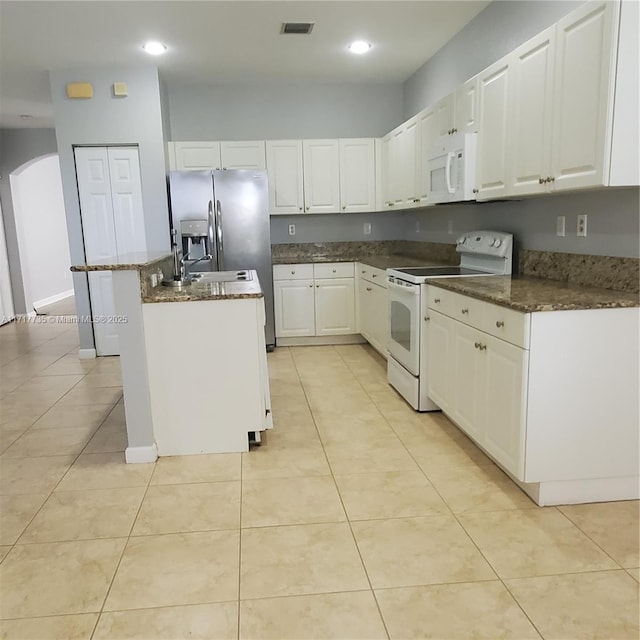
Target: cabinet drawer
x,y
506,324
293,272
372,274
440,299
333,270
467,310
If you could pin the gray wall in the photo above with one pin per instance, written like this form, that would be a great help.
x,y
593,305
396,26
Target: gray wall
x,y
103,120
494,32
613,223
18,146
339,227
280,111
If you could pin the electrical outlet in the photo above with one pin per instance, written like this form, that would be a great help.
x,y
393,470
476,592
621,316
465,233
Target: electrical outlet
x,y
367,228
560,226
292,229
582,225
450,226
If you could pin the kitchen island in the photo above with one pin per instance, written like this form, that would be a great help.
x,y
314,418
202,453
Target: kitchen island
x,y
193,360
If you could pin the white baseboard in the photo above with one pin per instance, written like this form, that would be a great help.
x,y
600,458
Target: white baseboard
x,y
138,455
581,491
320,340
86,354
51,299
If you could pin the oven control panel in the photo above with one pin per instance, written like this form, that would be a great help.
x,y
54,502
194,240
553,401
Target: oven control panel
x,y
488,243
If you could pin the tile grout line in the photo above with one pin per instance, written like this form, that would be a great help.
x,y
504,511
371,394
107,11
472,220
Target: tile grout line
x,y
240,544
462,527
124,549
348,521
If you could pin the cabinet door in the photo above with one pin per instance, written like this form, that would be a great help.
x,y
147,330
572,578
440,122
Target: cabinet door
x,y
357,174
335,307
428,136
530,103
248,154
466,103
467,393
445,115
385,172
321,168
493,88
294,308
409,157
380,311
584,62
396,175
284,167
197,156
437,350
366,310
505,380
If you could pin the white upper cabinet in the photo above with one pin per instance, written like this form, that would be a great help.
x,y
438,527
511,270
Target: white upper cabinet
x,y
427,132
284,167
321,168
493,93
410,158
466,107
445,115
357,174
530,111
197,156
243,154
583,96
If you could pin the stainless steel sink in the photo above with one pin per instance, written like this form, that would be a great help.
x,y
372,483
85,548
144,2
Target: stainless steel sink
x,y
220,276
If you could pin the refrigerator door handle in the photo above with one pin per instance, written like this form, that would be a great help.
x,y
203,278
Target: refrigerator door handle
x,y
220,238
211,240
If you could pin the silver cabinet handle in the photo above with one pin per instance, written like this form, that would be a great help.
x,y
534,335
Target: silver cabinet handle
x,y
333,270
475,191
374,275
465,311
499,323
541,180
317,286
436,300
427,318
368,288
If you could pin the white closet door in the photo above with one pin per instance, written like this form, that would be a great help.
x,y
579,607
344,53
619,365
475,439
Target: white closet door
x,y
112,225
126,196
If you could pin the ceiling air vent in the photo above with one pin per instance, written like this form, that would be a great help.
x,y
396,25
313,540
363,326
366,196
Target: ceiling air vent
x,y
301,28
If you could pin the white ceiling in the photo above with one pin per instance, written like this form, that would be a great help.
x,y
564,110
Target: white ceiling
x,y
215,41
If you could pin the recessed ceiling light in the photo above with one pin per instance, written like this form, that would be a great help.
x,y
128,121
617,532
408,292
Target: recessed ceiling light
x,y
154,48
359,46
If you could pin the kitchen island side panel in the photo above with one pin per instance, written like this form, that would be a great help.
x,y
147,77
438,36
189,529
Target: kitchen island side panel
x,y
583,404
204,379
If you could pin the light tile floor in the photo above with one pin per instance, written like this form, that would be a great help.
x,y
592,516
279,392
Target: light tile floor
x,y
357,518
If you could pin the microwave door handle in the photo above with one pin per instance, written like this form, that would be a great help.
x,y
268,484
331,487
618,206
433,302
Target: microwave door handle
x,y
450,157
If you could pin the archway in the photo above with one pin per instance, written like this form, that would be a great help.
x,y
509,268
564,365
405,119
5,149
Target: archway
x,y
38,204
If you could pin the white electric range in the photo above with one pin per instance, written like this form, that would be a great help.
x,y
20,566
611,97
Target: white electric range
x,y
482,253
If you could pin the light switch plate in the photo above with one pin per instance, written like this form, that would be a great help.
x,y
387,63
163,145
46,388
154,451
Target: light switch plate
x,y
367,228
560,226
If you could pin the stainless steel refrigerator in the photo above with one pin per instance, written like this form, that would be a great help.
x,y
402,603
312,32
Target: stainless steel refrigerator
x,y
235,204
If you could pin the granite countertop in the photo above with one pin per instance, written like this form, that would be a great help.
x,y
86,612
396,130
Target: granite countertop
x,y
529,294
126,262
380,261
199,291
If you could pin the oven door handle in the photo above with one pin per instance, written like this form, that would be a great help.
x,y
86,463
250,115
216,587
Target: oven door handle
x,y
413,290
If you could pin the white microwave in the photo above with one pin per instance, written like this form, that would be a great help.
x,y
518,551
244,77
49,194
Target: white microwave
x,y
452,169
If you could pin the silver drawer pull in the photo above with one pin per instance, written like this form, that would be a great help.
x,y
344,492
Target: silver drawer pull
x,y
476,345
436,300
465,311
499,323
483,347
333,270
427,318
374,275
293,273
368,288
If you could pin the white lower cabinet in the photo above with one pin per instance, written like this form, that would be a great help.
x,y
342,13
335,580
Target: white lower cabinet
x,y
294,308
314,300
373,307
552,397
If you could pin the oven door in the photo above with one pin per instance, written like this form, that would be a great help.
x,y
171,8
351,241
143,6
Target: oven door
x,y
404,313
